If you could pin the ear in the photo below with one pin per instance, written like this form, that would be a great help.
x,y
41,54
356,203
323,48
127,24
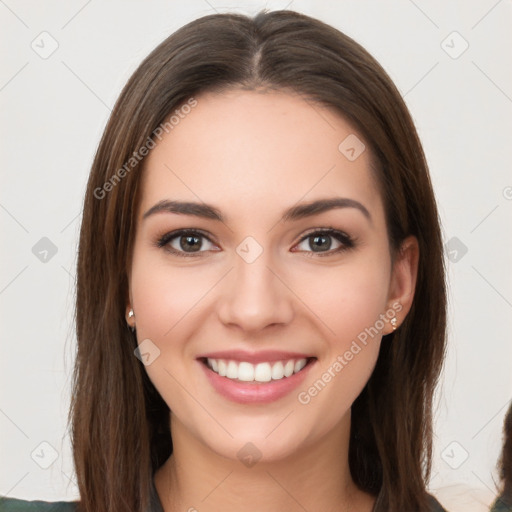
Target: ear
x,y
403,281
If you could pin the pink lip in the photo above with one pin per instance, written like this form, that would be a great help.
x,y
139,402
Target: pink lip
x,y
255,357
255,392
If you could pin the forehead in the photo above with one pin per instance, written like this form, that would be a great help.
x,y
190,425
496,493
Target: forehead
x,y
250,150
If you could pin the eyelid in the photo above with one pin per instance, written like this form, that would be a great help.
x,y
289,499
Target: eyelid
x,y
324,229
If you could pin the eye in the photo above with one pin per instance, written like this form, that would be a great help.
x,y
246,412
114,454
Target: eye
x,y
320,241
189,242
185,242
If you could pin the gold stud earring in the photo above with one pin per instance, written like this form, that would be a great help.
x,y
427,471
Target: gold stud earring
x,y
393,323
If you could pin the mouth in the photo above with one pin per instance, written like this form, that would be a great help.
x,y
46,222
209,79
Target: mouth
x,y
257,381
265,371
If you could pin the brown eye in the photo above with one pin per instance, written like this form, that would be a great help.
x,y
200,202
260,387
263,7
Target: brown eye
x,y
184,242
320,242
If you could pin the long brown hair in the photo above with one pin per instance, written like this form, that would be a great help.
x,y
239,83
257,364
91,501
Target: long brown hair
x,y
120,424
505,462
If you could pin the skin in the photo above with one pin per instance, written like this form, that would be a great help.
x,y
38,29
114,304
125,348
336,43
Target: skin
x,y
253,155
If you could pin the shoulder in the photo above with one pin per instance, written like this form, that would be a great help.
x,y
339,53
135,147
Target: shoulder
x,y
16,505
434,505
501,504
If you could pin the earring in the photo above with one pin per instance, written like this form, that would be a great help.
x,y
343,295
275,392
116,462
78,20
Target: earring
x,y
131,314
393,323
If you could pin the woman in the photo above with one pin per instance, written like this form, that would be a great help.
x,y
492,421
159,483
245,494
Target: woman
x,y
503,502
230,357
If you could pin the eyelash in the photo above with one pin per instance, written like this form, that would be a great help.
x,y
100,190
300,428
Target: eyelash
x,y
346,241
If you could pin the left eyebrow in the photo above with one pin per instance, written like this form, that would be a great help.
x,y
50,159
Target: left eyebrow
x,y
297,212
322,205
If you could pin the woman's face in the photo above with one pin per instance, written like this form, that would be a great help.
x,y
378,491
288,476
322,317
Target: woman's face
x,y
265,284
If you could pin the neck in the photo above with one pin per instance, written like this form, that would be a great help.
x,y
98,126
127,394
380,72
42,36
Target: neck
x,y
318,477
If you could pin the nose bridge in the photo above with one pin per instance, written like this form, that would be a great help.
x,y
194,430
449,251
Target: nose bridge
x,y
255,296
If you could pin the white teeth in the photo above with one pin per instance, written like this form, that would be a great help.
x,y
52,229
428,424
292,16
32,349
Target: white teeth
x,y
278,371
246,372
299,365
232,371
261,372
222,368
288,368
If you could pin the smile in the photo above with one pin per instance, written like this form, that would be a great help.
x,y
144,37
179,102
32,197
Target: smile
x,y
266,377
261,372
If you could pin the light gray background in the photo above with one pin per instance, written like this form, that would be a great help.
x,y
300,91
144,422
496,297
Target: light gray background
x,y
53,113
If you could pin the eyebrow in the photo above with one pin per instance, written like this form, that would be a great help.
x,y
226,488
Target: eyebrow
x,y
294,213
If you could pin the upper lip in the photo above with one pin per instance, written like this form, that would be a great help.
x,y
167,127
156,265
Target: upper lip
x,y
254,357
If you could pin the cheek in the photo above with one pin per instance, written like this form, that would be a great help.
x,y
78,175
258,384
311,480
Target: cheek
x,y
348,301
165,296
166,300
345,299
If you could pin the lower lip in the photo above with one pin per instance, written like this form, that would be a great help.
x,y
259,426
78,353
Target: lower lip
x,y
255,392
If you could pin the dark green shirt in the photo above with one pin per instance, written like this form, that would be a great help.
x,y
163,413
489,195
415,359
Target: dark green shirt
x,y
501,504
15,505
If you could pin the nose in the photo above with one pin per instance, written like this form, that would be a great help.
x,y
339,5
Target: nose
x,y
255,296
